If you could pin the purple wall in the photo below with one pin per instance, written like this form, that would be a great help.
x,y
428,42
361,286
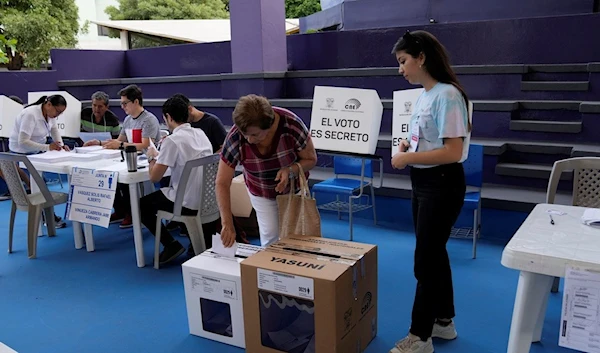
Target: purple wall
x,y
20,82
519,41
176,60
72,64
364,14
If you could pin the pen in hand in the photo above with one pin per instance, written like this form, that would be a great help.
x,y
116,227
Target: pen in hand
x,y
551,219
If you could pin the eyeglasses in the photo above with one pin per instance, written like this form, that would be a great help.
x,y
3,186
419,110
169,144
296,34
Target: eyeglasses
x,y
123,104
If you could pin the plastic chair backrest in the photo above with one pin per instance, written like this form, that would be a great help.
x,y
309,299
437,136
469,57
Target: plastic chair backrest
x,y
586,180
208,199
352,166
9,163
473,166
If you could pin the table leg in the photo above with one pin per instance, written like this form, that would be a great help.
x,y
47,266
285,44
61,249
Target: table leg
x,y
137,225
528,310
77,235
89,237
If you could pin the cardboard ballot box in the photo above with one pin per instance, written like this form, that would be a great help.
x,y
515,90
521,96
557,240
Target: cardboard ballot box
x,y
310,295
345,119
213,295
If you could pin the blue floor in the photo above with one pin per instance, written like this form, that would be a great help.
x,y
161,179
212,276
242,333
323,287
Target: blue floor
x,y
69,300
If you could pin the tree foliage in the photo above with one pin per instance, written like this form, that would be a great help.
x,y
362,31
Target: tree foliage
x,y
37,26
167,10
301,8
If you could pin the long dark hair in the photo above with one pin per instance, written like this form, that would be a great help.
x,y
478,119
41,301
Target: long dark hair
x,y
56,100
437,62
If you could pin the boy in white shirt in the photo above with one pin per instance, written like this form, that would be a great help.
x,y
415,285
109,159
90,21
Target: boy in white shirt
x,y
184,144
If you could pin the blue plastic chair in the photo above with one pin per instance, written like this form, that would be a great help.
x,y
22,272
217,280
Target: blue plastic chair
x,y
473,167
351,188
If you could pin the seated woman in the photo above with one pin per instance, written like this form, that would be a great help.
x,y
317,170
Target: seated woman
x,y
268,141
35,130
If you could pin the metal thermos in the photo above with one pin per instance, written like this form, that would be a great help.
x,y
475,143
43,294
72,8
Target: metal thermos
x,y
131,157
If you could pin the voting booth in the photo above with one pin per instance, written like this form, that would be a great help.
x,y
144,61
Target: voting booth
x,y
69,122
403,107
9,110
213,295
346,119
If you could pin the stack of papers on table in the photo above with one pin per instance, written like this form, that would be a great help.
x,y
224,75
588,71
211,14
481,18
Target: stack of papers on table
x,y
62,156
88,149
591,217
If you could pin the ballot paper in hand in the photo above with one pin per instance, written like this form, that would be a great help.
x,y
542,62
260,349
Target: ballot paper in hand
x,y
218,248
591,217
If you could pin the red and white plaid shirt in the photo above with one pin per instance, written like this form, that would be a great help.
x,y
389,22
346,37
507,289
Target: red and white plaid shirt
x,y
260,170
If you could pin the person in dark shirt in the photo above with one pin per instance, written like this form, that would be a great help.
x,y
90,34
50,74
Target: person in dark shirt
x,y
209,123
98,118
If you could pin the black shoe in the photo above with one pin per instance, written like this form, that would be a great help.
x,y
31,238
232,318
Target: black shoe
x,y
171,252
172,225
57,218
190,251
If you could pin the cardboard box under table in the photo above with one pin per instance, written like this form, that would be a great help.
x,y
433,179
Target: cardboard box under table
x,y
214,297
310,295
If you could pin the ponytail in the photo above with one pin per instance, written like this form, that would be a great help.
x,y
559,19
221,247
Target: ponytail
x,y
41,100
56,100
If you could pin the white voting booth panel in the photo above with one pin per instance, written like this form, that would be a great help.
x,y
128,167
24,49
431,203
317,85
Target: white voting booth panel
x,y
213,295
346,119
9,110
403,107
69,122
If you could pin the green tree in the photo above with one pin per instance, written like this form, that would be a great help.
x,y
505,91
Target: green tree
x,y
167,10
301,8
37,26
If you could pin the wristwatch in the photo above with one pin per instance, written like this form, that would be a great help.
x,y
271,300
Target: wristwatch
x,y
292,174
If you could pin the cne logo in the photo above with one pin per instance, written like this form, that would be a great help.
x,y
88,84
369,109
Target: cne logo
x,y
228,292
366,303
407,107
304,290
352,104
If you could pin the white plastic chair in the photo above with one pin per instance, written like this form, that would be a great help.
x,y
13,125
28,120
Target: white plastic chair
x,y
586,185
33,204
208,210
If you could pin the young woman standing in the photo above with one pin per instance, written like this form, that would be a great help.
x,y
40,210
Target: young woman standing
x,y
435,152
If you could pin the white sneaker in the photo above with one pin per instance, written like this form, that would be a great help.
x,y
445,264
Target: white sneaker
x,y
444,332
412,344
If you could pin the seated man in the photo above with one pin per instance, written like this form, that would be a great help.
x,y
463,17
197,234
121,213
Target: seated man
x,y
99,118
184,144
137,118
215,131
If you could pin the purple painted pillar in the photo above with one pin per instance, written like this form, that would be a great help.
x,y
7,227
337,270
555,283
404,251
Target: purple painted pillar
x,y
258,39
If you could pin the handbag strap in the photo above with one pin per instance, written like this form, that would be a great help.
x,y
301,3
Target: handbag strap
x,y
305,191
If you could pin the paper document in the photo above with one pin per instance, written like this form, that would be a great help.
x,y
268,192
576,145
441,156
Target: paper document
x,y
591,217
580,319
218,248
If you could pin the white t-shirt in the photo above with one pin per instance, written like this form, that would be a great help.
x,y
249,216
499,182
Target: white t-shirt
x,y
184,144
441,113
33,125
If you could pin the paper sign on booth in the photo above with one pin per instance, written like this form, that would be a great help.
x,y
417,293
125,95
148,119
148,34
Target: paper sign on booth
x,y
9,110
69,122
91,196
403,106
346,119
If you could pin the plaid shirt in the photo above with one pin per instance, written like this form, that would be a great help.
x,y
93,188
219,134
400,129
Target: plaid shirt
x,y
260,170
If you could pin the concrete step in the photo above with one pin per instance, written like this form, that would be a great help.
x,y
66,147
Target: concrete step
x,y
528,171
506,197
570,127
578,86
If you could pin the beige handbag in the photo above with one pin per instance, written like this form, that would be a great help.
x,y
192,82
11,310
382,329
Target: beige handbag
x,y
298,213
